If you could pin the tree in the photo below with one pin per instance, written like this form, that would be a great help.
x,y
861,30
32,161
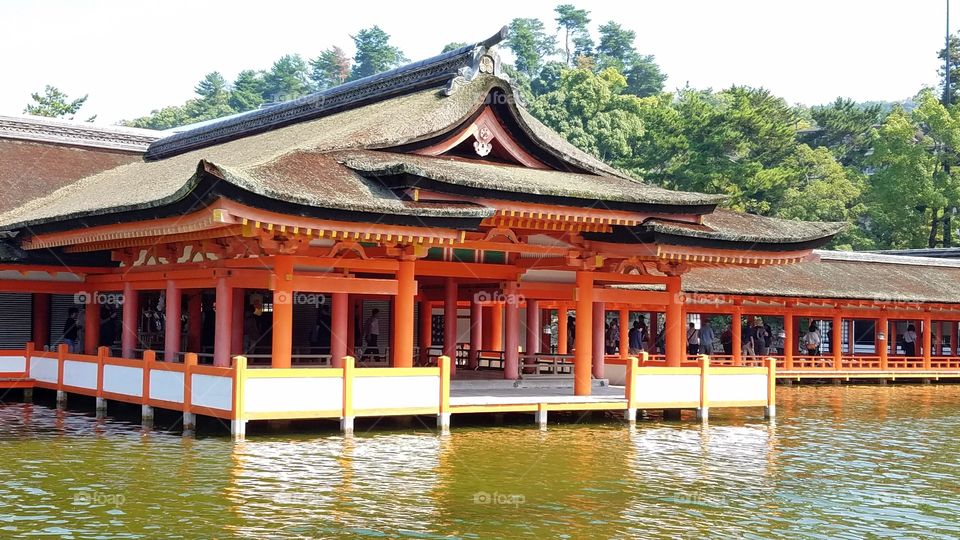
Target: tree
x,y
453,46
247,93
165,118
954,69
287,79
592,112
616,46
549,78
644,77
574,23
330,69
846,128
214,98
53,103
374,53
530,45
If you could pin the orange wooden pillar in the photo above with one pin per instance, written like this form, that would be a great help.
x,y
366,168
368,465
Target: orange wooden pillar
x,y
403,315
239,312
599,339
883,327
937,346
352,327
511,342
836,341
675,338
546,317
171,325
583,338
533,327
131,315
339,317
450,321
789,339
927,340
41,320
736,330
91,325
282,346
563,331
624,333
476,333
224,316
496,326
426,330
194,321
953,338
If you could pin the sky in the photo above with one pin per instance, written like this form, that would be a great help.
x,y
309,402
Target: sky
x,y
132,57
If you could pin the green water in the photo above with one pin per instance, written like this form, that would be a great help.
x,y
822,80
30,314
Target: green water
x,y
839,462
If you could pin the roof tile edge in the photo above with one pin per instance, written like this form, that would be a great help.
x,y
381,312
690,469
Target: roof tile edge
x,y
76,133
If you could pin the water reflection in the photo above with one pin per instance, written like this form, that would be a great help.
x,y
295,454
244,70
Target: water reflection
x,y
839,462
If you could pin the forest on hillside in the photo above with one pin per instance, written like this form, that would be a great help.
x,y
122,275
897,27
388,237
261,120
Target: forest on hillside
x,y
888,169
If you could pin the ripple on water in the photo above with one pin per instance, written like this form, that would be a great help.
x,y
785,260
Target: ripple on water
x,y
840,462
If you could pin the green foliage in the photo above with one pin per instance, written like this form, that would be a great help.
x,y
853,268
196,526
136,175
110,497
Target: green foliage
x,y
954,43
53,103
616,45
574,23
644,77
846,128
530,44
247,93
287,79
330,69
374,53
453,46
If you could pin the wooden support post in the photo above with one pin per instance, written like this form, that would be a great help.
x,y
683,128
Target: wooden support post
x,y
91,325
426,330
346,415
736,329
703,412
189,418
546,318
450,322
533,327
511,344
563,331
403,315
171,324
238,425
675,339
770,410
338,328
131,319
789,339
653,327
630,387
194,321
927,340
41,320
583,340
101,402
599,339
883,327
445,363
937,347
352,327
624,333
282,331
836,342
149,358
239,310
496,326
224,315
476,333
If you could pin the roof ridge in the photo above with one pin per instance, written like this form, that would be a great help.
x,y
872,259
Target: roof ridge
x,y
452,68
75,132
883,258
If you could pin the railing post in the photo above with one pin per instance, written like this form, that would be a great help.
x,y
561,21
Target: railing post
x,y
770,410
703,413
28,355
883,328
189,418
630,388
346,416
443,416
238,425
61,357
149,357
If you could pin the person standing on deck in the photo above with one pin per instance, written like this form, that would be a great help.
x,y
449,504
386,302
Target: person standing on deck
x,y
706,337
371,332
693,340
636,338
910,341
726,340
811,341
71,330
